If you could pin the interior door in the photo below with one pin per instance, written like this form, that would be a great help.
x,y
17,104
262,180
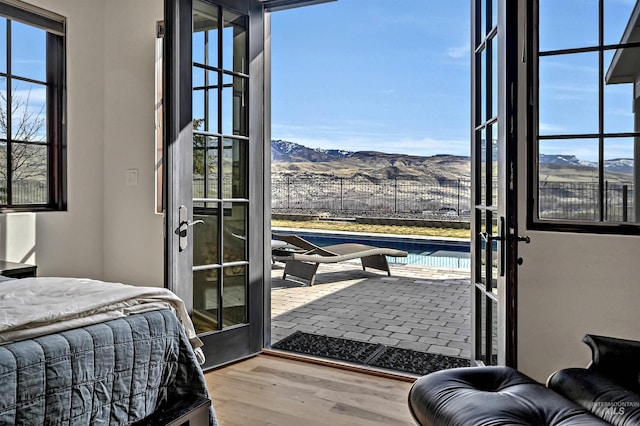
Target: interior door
x,y
214,93
494,221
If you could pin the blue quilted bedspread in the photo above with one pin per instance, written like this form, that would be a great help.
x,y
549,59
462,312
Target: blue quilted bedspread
x,y
115,373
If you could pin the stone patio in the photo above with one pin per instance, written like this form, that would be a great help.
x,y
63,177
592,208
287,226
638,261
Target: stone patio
x,y
419,307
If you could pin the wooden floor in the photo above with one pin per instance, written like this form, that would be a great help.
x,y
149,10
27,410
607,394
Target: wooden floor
x,y
268,390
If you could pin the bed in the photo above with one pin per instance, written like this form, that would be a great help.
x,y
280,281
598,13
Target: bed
x,y
86,352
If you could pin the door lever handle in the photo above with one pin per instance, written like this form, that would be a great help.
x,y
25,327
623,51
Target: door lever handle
x,y
525,239
195,222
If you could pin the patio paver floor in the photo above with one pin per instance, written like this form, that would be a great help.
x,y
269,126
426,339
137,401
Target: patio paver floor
x,y
419,307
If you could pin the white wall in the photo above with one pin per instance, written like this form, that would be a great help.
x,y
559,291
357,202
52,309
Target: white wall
x,y
133,240
571,285
70,243
110,230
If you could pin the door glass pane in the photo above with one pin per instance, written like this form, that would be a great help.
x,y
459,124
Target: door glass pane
x,y
494,77
483,86
618,180
483,167
205,166
482,243
494,268
235,42
234,295
568,179
205,34
494,332
205,238
494,164
568,94
28,62
481,344
235,232
213,102
205,300
234,106
554,33
235,168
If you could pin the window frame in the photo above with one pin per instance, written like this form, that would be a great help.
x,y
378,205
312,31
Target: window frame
x,y
56,136
534,221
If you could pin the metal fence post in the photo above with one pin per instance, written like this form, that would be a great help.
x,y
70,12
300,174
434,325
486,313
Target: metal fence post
x,y
288,193
341,194
625,202
458,197
395,196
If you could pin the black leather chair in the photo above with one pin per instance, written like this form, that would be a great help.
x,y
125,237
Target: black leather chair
x,y
607,392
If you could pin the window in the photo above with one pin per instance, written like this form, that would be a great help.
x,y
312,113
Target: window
x,y
32,107
586,117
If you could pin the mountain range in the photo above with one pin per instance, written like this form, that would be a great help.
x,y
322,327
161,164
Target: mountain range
x,y
296,160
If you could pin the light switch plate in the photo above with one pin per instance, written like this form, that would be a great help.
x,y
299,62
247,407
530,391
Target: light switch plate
x,y
132,177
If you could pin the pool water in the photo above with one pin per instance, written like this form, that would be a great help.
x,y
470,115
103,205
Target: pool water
x,y
439,253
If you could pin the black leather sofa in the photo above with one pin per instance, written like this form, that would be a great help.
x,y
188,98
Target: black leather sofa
x,y
607,392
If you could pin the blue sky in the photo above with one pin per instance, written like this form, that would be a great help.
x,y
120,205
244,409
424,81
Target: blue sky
x,y
392,77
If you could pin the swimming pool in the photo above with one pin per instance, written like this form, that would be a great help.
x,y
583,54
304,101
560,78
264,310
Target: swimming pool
x,y
422,251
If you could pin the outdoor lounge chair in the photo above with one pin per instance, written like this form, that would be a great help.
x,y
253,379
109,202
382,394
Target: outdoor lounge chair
x,y
302,257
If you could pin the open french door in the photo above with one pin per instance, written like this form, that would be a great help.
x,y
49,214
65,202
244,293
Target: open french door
x,y
214,171
494,173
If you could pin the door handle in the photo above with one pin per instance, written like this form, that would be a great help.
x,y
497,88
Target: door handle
x,y
183,226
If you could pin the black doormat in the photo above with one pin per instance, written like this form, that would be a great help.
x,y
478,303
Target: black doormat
x,y
373,354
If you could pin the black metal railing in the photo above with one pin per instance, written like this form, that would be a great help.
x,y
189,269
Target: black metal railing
x,y
393,196
25,192
556,200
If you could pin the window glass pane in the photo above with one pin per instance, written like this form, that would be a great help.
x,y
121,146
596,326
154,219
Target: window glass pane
x,y
213,175
235,168
554,33
235,296
3,173
28,51
3,108
616,17
235,42
235,232
234,106
29,170
205,300
618,178
205,238
620,68
481,317
568,94
3,45
568,179
28,111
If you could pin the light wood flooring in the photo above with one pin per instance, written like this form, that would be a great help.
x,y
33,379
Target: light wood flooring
x,y
270,390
